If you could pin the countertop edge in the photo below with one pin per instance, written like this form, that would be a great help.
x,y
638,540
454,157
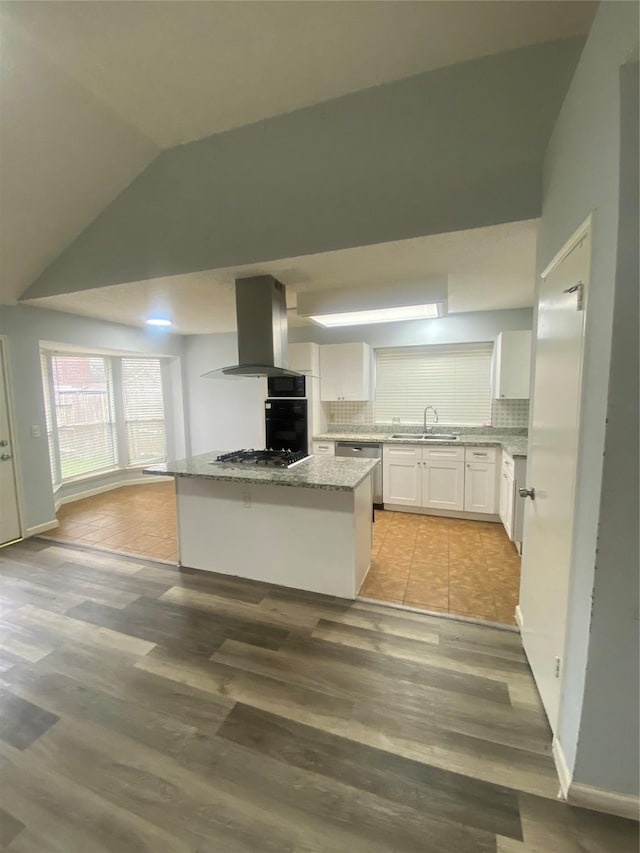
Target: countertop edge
x,y
464,441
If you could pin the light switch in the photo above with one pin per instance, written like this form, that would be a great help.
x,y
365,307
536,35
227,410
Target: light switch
x,y
36,432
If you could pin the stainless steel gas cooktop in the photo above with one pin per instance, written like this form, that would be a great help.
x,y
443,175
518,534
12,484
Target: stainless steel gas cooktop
x,y
268,458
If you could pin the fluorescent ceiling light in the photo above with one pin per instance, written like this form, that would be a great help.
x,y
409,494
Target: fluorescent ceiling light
x,y
379,315
158,321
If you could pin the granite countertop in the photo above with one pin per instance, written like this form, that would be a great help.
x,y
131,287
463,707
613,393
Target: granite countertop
x,y
315,472
515,445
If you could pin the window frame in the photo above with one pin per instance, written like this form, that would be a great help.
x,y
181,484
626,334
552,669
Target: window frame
x,y
116,390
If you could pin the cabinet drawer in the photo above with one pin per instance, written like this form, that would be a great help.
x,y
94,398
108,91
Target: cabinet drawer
x,y
481,454
406,452
452,454
324,448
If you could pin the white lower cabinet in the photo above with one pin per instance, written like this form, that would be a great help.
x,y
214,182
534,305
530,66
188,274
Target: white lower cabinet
x,y
512,476
401,475
431,477
480,480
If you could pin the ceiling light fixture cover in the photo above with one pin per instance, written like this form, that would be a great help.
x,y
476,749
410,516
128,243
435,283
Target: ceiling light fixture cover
x,y
158,321
358,306
379,315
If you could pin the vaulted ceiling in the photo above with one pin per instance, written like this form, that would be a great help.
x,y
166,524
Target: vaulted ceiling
x,y
91,92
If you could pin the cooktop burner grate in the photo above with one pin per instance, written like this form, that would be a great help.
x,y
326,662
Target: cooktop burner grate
x,y
267,458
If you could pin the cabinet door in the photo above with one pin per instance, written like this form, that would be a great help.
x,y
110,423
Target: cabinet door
x,y
506,502
345,372
443,484
512,365
480,487
401,476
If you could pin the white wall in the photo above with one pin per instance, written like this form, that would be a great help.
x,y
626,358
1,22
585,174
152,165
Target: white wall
x,y
223,414
598,725
24,328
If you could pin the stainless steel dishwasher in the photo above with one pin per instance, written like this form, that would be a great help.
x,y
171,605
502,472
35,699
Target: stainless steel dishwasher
x,y
365,450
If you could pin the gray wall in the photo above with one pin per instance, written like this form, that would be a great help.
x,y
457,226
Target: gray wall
x,y
454,329
612,664
581,176
24,328
451,149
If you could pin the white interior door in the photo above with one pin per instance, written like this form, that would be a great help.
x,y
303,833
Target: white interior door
x,y
9,515
553,446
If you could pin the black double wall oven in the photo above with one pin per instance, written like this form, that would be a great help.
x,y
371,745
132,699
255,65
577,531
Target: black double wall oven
x,y
286,424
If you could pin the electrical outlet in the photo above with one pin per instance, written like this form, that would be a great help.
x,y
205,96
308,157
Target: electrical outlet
x,y
556,668
246,500
36,432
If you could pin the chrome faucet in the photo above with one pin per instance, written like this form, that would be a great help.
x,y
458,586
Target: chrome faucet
x,y
435,418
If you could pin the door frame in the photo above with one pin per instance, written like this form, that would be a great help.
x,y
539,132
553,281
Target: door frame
x,y
584,229
15,450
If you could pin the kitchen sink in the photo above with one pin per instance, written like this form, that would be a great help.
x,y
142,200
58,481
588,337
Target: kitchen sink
x,y
431,436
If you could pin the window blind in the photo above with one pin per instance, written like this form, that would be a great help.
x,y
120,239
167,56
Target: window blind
x,y
455,378
143,409
84,415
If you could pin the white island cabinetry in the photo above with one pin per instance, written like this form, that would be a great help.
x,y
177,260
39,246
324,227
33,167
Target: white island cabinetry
x,y
307,527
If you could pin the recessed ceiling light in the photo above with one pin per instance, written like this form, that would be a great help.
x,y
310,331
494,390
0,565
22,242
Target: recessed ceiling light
x,y
379,315
158,321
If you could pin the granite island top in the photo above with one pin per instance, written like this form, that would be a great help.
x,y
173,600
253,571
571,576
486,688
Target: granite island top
x,y
515,445
315,472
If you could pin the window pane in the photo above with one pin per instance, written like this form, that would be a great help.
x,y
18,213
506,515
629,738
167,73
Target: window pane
x,y
143,410
84,414
48,416
456,379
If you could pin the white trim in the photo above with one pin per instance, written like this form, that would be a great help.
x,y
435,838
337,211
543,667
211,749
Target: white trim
x,y
579,234
108,487
15,450
600,800
41,528
562,768
519,618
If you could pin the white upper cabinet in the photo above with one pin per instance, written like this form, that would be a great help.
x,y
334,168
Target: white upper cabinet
x,y
304,358
512,366
345,372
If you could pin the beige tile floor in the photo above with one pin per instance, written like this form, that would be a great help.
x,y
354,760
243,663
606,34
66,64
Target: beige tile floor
x,y
132,519
463,567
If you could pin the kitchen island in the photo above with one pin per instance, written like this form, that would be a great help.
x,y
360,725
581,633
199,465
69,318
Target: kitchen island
x,y
306,527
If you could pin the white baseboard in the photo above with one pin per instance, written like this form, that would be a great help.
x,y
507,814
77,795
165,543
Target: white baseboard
x,y
588,797
519,618
562,768
108,487
41,528
599,800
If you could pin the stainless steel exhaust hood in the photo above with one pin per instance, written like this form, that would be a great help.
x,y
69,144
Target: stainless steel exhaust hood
x,y
261,310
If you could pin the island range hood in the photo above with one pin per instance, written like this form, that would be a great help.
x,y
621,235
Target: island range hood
x,y
261,311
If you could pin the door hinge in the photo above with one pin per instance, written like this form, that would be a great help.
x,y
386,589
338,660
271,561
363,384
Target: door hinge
x,y
556,668
579,289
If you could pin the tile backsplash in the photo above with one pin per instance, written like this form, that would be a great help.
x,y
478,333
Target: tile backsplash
x,y
509,414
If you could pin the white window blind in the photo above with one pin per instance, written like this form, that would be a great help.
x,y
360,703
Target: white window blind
x,y
143,409
455,378
84,414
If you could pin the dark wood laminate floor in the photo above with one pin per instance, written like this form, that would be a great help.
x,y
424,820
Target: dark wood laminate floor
x,y
150,709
